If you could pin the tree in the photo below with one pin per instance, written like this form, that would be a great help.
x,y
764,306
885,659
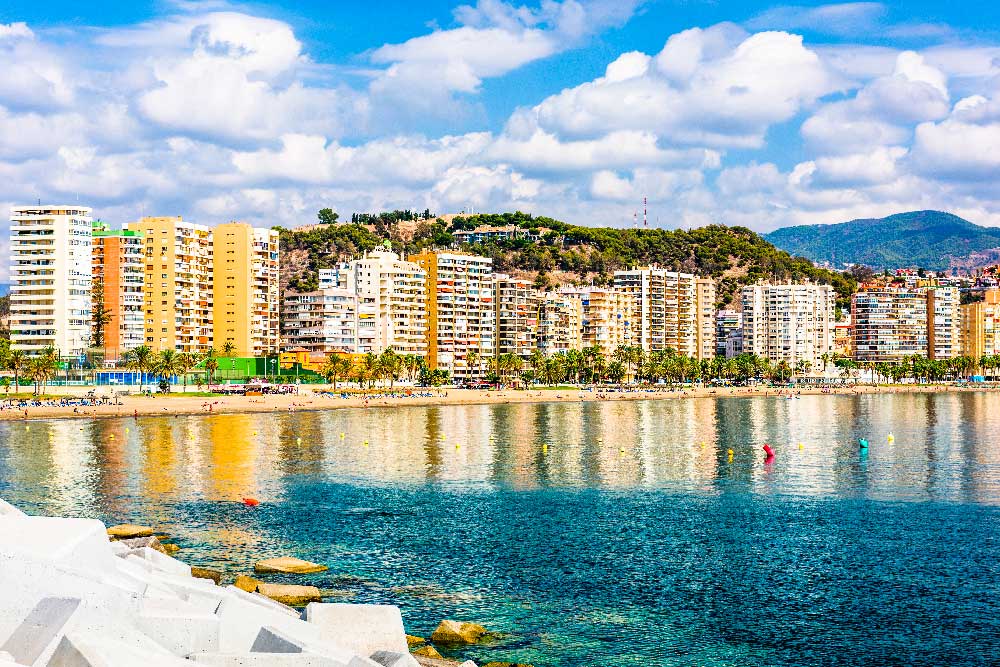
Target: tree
x,y
16,362
211,364
327,216
185,363
228,348
42,367
166,365
337,367
390,366
100,315
139,360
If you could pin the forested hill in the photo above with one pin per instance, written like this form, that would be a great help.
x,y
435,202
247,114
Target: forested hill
x,y
926,239
560,253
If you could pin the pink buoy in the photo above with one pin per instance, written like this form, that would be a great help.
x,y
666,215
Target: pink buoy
x,y
769,459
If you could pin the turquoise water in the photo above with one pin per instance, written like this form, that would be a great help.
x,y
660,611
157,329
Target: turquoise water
x,y
593,534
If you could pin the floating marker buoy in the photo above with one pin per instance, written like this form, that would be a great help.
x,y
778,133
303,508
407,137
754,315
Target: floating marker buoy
x,y
457,446
800,445
863,443
366,443
890,437
770,453
729,451
255,432
251,502
112,436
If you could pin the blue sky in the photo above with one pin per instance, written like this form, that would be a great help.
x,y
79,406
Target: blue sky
x,y
753,113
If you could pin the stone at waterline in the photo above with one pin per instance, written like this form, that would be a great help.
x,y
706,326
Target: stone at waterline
x,y
457,632
427,652
413,640
126,531
245,583
206,573
170,548
139,542
295,596
287,565
507,664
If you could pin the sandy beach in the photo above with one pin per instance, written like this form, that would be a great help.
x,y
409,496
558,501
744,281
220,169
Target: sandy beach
x,y
318,398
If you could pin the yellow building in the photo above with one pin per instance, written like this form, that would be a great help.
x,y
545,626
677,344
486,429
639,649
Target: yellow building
x,y
606,318
981,326
560,327
177,283
245,280
460,313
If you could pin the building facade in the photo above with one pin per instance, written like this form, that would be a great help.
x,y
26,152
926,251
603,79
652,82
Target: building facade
x,y
789,323
118,279
245,278
178,284
891,323
606,318
560,323
726,323
460,312
981,326
51,274
671,310
392,301
321,322
517,315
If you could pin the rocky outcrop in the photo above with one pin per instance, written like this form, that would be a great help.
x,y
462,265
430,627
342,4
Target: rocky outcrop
x,y
126,531
458,632
293,596
286,565
412,640
245,583
206,573
427,652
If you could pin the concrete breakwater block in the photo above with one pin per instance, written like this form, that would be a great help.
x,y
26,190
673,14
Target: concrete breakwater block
x,y
287,565
77,543
39,629
393,659
361,628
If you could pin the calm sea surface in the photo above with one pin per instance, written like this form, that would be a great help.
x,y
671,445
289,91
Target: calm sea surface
x,y
594,534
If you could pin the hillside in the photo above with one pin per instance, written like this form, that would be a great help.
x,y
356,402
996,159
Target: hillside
x,y
928,239
565,254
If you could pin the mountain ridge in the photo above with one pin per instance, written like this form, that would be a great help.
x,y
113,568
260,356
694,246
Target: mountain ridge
x,y
934,240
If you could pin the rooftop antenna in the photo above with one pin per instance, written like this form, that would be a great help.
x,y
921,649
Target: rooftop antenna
x,y
645,220
635,219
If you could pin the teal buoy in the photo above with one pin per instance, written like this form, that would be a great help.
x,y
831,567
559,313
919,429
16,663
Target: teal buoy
x,y
863,443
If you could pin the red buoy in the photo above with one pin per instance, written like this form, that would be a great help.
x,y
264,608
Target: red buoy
x,y
768,451
251,502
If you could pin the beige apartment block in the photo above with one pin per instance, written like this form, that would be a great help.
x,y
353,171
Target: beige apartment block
x,y
560,323
50,275
981,326
178,284
321,322
606,320
789,322
892,323
391,301
460,312
671,310
517,315
245,289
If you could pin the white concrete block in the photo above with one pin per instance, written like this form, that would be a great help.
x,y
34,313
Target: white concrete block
x,y
242,617
263,601
81,544
42,627
360,628
86,650
265,660
394,659
6,509
179,627
160,561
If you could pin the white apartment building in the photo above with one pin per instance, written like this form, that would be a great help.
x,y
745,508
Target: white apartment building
x,y
789,322
322,322
392,301
517,306
606,318
727,322
50,273
671,310
460,312
891,323
560,323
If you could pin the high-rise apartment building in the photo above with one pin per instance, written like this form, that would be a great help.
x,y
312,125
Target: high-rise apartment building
x,y
50,273
671,310
981,326
178,284
323,321
606,318
891,323
118,278
560,323
392,301
460,311
517,312
245,289
789,322
727,322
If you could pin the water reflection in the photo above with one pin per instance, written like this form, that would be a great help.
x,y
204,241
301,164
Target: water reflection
x,y
944,447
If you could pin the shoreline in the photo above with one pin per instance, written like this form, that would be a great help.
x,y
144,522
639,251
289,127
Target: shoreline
x,y
180,404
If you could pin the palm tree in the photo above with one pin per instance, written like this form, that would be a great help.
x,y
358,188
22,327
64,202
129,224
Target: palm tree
x,y
368,370
211,364
472,362
139,360
616,371
228,348
185,363
16,363
337,366
42,367
166,366
390,365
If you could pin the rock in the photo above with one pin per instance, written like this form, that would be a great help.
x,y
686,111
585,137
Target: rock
x,y
169,548
427,652
287,565
413,640
457,632
139,542
295,596
245,583
507,664
126,531
214,575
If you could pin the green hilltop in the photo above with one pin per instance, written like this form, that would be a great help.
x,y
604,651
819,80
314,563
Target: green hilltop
x,y
558,253
932,240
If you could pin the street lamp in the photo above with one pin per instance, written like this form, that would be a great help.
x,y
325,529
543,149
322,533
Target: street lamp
x,y
273,374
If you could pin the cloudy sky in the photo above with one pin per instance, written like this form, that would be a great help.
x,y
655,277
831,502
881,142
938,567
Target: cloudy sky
x,y
738,112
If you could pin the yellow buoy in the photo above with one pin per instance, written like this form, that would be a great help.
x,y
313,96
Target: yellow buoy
x,y
255,432
890,437
457,446
545,449
729,451
341,436
366,443
112,436
800,445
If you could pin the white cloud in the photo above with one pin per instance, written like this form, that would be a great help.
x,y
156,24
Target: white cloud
x,y
847,18
965,146
18,30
